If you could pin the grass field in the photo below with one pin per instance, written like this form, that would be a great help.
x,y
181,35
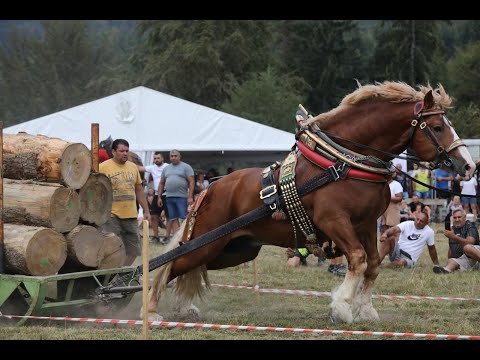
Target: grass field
x,y
246,307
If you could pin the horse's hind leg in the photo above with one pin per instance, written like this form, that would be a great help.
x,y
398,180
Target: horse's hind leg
x,y
362,307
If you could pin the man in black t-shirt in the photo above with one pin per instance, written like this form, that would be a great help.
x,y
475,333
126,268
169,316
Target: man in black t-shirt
x,y
423,208
462,239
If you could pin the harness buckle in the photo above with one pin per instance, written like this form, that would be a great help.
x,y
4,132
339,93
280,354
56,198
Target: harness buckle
x,y
268,191
440,149
334,172
423,124
414,122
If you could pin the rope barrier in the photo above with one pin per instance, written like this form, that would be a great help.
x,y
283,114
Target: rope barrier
x,y
328,294
172,324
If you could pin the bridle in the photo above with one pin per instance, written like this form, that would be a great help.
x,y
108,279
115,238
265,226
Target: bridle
x,y
442,153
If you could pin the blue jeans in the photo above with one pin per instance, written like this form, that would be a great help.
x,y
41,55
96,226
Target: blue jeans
x,y
423,195
177,207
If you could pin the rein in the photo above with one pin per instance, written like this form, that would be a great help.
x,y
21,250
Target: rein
x,y
330,175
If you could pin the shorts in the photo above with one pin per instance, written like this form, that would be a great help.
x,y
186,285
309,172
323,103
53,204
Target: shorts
x,y
127,230
154,209
177,207
391,216
466,263
469,200
397,254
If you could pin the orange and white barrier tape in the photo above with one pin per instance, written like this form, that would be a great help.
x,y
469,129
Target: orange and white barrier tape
x,y
171,324
328,294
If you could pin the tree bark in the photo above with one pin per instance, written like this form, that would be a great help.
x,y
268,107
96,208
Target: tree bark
x,y
96,198
35,251
41,204
56,160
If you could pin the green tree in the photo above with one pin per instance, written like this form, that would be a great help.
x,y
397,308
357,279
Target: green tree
x,y
328,54
405,50
200,60
51,72
269,99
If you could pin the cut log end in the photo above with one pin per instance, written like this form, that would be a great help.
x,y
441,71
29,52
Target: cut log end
x,y
64,209
46,252
113,252
76,165
96,198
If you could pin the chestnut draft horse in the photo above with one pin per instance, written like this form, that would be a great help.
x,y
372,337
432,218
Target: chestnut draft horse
x,y
368,129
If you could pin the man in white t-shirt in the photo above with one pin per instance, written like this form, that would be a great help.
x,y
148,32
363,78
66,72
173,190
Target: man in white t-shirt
x,y
404,242
391,216
156,170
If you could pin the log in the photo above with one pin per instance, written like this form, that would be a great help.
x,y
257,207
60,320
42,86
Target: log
x,y
34,251
56,160
41,204
114,254
85,246
96,198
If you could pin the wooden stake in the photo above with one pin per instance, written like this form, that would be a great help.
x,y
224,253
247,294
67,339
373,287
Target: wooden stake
x,y
94,147
255,286
145,282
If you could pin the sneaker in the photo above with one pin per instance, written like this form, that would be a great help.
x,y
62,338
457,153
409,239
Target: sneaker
x,y
165,240
155,239
321,260
338,270
440,270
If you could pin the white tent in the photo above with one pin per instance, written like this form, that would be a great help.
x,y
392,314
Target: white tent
x,y
153,121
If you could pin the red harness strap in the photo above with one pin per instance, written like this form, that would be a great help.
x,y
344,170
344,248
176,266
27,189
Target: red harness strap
x,y
325,163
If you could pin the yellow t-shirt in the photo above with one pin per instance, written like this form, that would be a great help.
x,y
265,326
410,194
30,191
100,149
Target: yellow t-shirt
x,y
124,178
424,177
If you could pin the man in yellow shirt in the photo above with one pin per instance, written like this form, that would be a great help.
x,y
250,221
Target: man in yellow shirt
x,y
127,190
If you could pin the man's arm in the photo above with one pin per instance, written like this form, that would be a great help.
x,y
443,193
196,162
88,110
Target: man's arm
x,y
392,232
462,241
142,201
432,250
161,186
191,187
397,198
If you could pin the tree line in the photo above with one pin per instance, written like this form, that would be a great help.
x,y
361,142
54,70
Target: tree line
x,y
259,70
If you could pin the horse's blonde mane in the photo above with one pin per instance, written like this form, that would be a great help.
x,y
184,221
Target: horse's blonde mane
x,y
388,91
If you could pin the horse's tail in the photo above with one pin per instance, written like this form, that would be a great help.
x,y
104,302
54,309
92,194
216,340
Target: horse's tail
x,y
188,285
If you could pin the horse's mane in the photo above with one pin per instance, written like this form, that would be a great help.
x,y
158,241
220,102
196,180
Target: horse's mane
x,y
387,91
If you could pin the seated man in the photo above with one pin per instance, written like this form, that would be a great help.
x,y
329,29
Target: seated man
x,y
299,257
463,245
424,208
404,242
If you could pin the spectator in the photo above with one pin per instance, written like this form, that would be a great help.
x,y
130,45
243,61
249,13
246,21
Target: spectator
x,y
156,171
178,182
463,245
200,184
405,212
422,191
423,208
412,173
404,243
212,175
391,216
299,257
443,180
454,204
469,187
127,190
102,155
402,180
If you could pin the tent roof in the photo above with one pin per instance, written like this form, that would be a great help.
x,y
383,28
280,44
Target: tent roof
x,y
151,120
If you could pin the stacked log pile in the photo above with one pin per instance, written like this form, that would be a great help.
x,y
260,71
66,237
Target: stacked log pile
x,y
53,205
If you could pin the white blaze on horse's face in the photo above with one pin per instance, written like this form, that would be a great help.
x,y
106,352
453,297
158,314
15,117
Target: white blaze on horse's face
x,y
465,154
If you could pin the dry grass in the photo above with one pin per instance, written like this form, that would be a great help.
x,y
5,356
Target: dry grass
x,y
245,307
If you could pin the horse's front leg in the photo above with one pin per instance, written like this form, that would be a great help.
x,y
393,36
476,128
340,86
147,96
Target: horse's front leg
x,y
341,232
362,307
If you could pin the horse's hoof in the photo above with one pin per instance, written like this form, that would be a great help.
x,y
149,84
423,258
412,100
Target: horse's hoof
x,y
153,316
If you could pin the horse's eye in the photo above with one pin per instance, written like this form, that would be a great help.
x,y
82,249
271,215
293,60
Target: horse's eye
x,y
437,129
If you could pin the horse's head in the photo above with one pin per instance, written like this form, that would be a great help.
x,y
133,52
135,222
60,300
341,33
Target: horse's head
x,y
433,137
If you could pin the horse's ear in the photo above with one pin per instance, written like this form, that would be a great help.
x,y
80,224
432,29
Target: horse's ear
x,y
428,100
109,139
